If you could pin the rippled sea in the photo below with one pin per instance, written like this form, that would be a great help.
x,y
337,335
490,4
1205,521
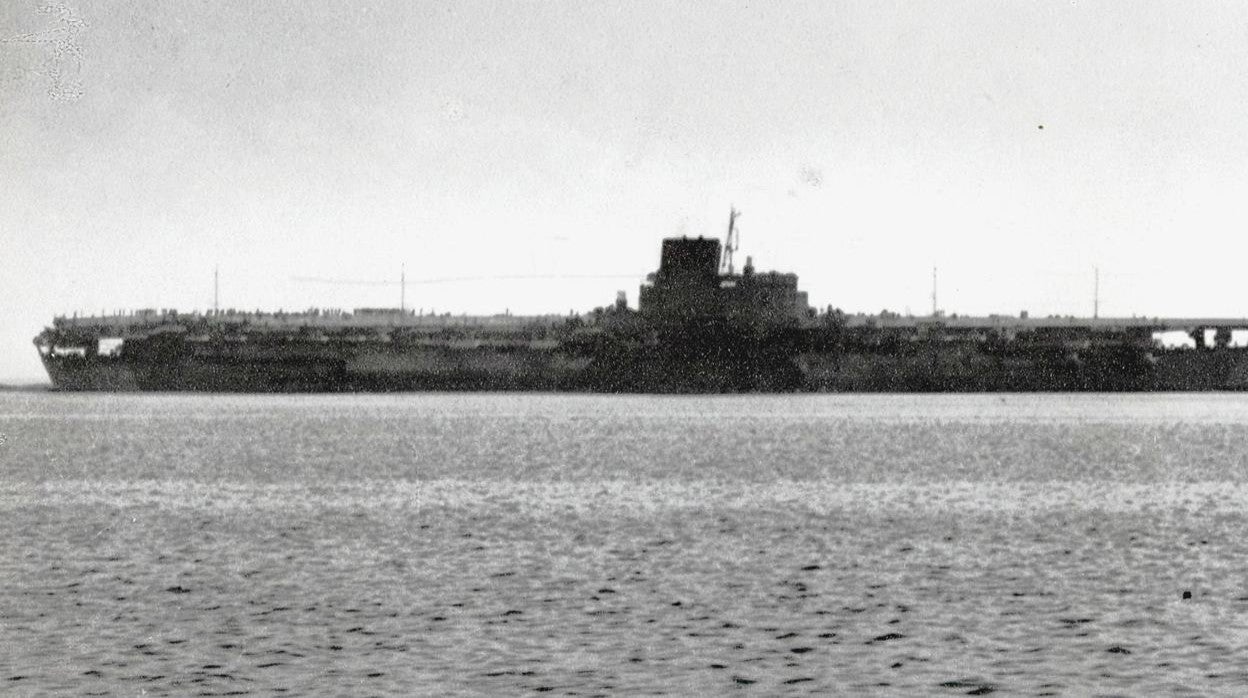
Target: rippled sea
x,y
600,545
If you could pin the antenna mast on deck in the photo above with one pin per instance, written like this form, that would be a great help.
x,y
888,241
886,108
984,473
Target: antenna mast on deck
x,y
403,288
935,307
1096,292
732,242
216,289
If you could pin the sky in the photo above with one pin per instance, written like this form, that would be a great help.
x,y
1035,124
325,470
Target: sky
x,y
530,156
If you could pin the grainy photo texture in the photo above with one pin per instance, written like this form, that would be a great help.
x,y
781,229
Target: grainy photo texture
x,y
600,348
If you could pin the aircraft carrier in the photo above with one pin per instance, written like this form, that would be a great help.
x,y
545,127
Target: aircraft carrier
x,y
700,327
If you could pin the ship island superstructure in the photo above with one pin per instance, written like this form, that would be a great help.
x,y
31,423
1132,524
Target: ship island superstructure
x,y
700,326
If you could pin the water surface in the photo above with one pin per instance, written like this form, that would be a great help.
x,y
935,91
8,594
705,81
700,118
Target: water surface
x,y
397,544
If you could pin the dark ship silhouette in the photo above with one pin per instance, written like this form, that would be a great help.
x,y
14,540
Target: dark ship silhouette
x,y
700,327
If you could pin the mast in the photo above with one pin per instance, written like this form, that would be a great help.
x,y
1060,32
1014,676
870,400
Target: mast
x,y
732,242
935,307
403,288
1096,292
216,289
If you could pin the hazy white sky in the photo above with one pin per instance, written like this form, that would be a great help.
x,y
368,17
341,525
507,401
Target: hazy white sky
x,y
1013,144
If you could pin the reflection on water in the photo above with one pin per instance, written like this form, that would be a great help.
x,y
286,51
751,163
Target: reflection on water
x,y
598,545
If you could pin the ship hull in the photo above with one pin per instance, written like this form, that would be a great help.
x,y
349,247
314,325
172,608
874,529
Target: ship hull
x,y
696,368
969,370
